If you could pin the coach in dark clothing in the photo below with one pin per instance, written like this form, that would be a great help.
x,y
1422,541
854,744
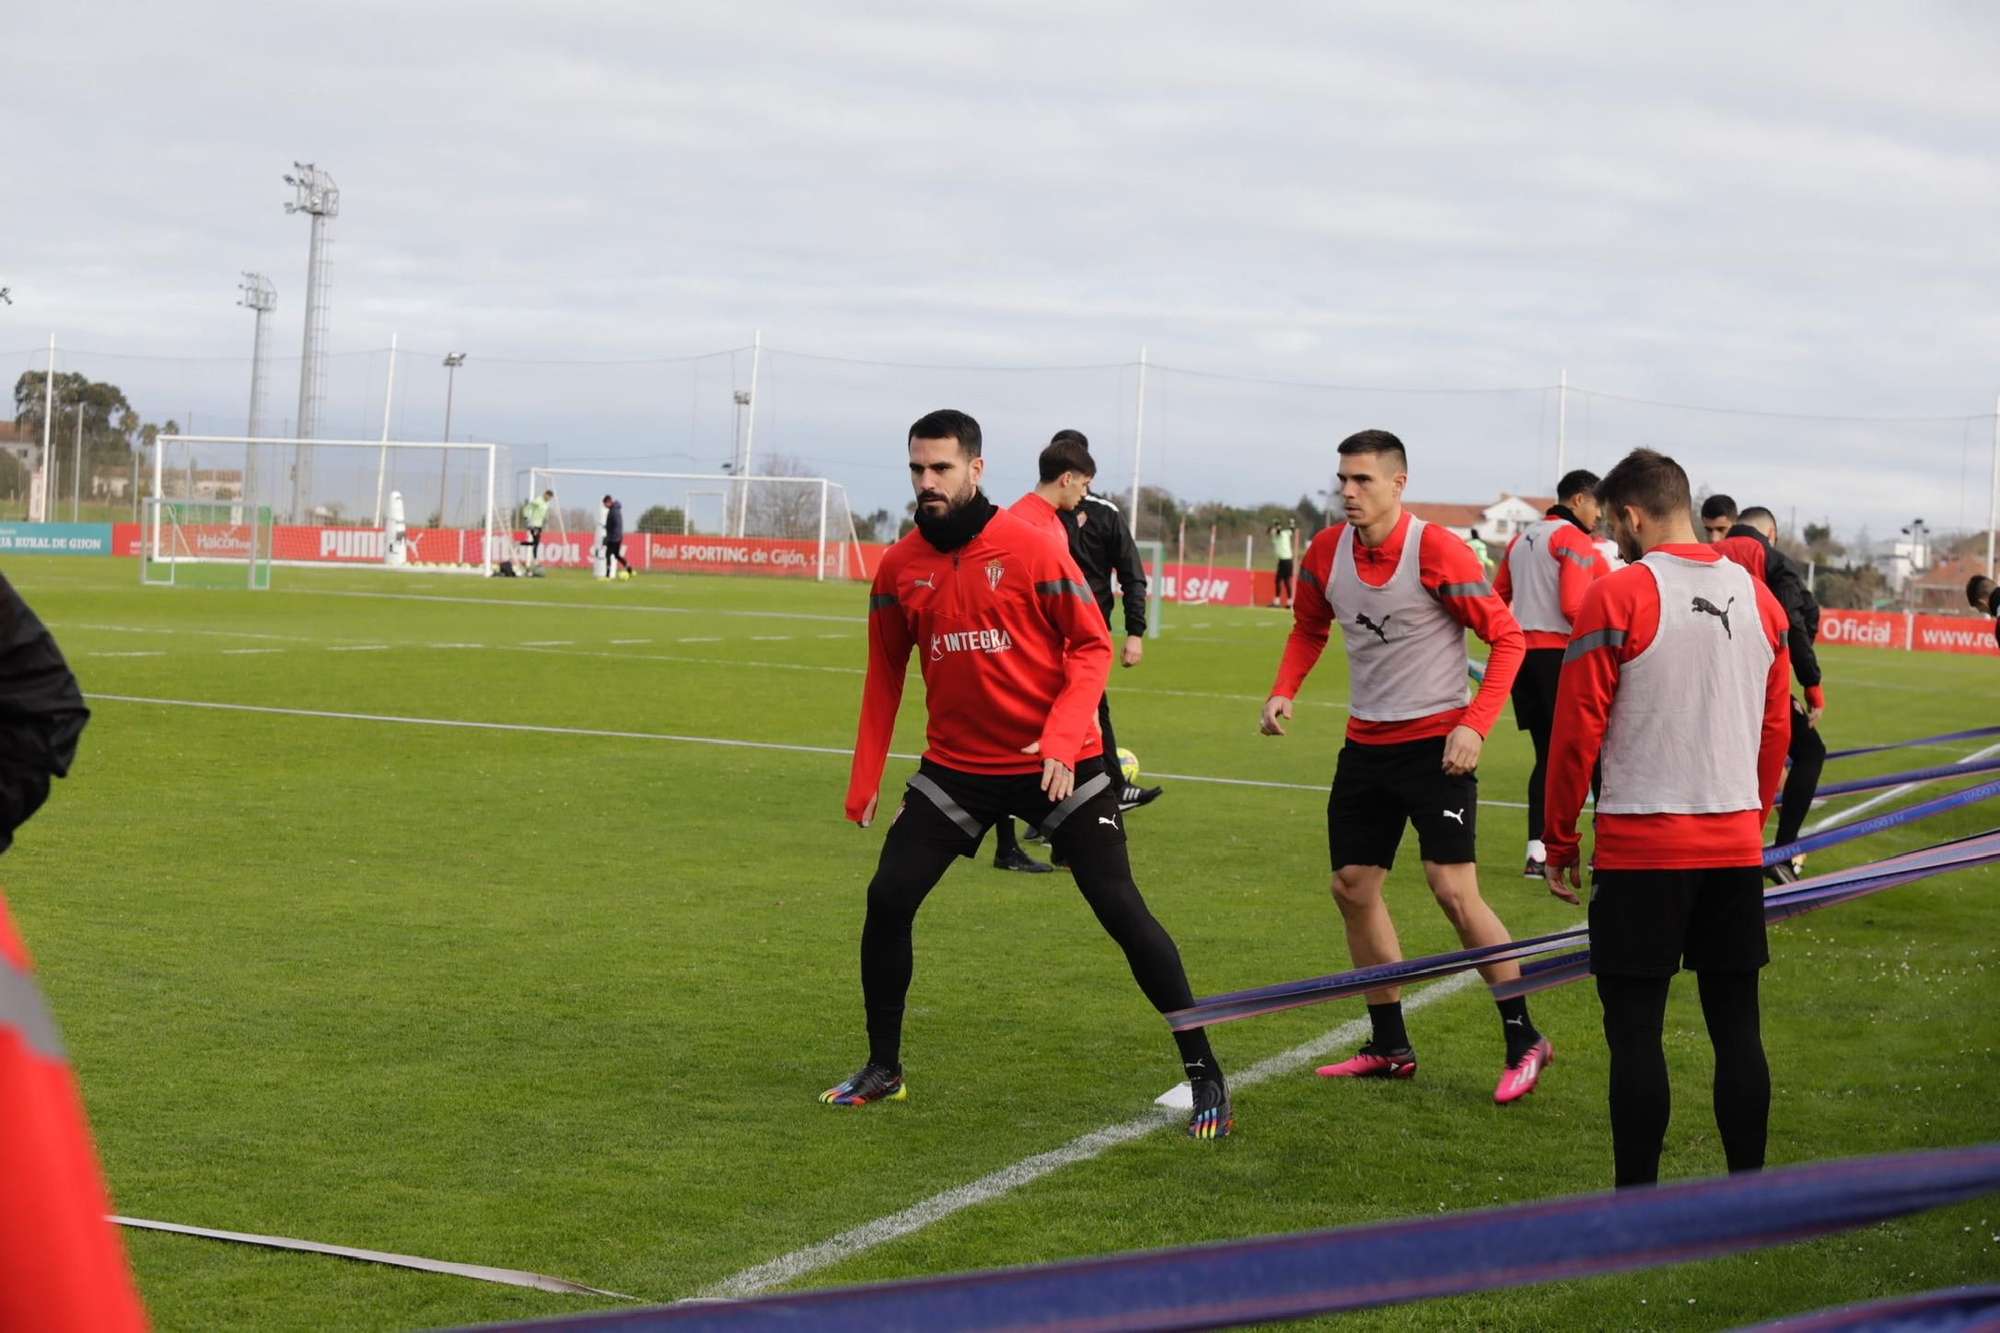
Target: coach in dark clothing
x,y
1749,544
41,713
1101,543
614,536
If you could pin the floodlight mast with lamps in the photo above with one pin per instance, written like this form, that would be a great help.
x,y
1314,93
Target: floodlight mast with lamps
x,y
318,198
452,361
260,296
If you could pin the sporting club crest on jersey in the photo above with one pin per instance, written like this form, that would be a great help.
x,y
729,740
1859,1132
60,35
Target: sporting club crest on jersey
x,y
994,571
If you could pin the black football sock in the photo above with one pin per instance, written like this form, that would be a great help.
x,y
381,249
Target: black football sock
x,y
1004,838
1197,1060
885,1038
1386,1022
1517,1027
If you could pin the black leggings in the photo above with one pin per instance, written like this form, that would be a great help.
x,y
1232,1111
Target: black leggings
x,y
909,870
1808,751
1004,839
1635,1011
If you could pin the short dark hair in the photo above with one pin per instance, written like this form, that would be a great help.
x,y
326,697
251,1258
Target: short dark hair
x,y
1582,481
1718,506
1067,456
1650,482
1756,512
1376,442
1073,436
948,424
1977,588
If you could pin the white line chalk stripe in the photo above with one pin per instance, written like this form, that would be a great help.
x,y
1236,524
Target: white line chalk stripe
x,y
580,606
629,735
249,652
631,641
1855,812
793,1266
358,648
511,1277
152,654
547,643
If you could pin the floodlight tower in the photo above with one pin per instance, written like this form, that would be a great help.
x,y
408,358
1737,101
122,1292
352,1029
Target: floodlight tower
x,y
319,198
260,296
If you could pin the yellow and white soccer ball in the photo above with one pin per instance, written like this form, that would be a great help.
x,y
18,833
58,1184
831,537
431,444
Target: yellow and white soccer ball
x,y
1128,765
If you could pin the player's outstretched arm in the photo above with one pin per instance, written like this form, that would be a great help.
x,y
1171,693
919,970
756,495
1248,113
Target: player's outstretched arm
x,y
881,697
1312,622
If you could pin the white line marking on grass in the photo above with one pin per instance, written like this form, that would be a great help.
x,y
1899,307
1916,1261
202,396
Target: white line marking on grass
x,y
477,726
702,639
636,735
791,1267
1855,812
770,638
576,606
833,636
682,657
152,654
359,648
454,645
1295,786
212,633
249,652
631,641
547,643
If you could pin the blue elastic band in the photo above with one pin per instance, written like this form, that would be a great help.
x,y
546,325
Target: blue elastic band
x,y
1320,1272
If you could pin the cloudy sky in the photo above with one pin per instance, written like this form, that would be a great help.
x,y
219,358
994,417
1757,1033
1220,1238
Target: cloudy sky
x,y
1785,209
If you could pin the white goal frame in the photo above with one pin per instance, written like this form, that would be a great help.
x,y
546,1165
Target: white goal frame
x,y
496,541
164,549
544,478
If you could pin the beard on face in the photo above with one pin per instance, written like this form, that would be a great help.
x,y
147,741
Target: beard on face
x,y
934,521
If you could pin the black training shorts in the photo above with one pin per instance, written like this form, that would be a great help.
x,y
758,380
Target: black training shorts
x,y
1284,569
943,807
1534,691
1377,787
1647,923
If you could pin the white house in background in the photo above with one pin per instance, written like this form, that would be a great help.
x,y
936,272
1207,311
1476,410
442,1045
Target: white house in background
x,y
1901,559
1497,523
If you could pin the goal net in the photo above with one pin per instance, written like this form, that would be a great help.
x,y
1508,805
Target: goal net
x,y
206,544
361,503
685,522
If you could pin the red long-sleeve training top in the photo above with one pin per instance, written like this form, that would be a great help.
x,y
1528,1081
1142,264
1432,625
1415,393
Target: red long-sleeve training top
x,y
1578,563
1014,653
1619,620
1444,563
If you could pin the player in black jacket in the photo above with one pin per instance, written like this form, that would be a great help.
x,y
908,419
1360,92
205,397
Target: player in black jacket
x,y
1984,595
41,713
1101,543
1752,534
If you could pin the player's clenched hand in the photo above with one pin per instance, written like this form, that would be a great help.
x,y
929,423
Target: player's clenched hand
x,y
1135,648
1814,714
1058,780
1461,751
1275,707
1568,893
868,815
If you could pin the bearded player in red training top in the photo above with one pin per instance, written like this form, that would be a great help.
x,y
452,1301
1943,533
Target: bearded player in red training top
x,y
1014,658
1404,593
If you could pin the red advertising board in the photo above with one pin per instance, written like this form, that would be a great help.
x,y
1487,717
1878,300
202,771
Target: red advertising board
x,y
1865,629
1953,634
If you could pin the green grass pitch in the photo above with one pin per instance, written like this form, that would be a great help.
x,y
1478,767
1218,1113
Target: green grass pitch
x,y
562,1001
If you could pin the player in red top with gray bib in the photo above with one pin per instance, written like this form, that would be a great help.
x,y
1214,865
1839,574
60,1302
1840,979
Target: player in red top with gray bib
x,y
1548,568
1404,593
1678,682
